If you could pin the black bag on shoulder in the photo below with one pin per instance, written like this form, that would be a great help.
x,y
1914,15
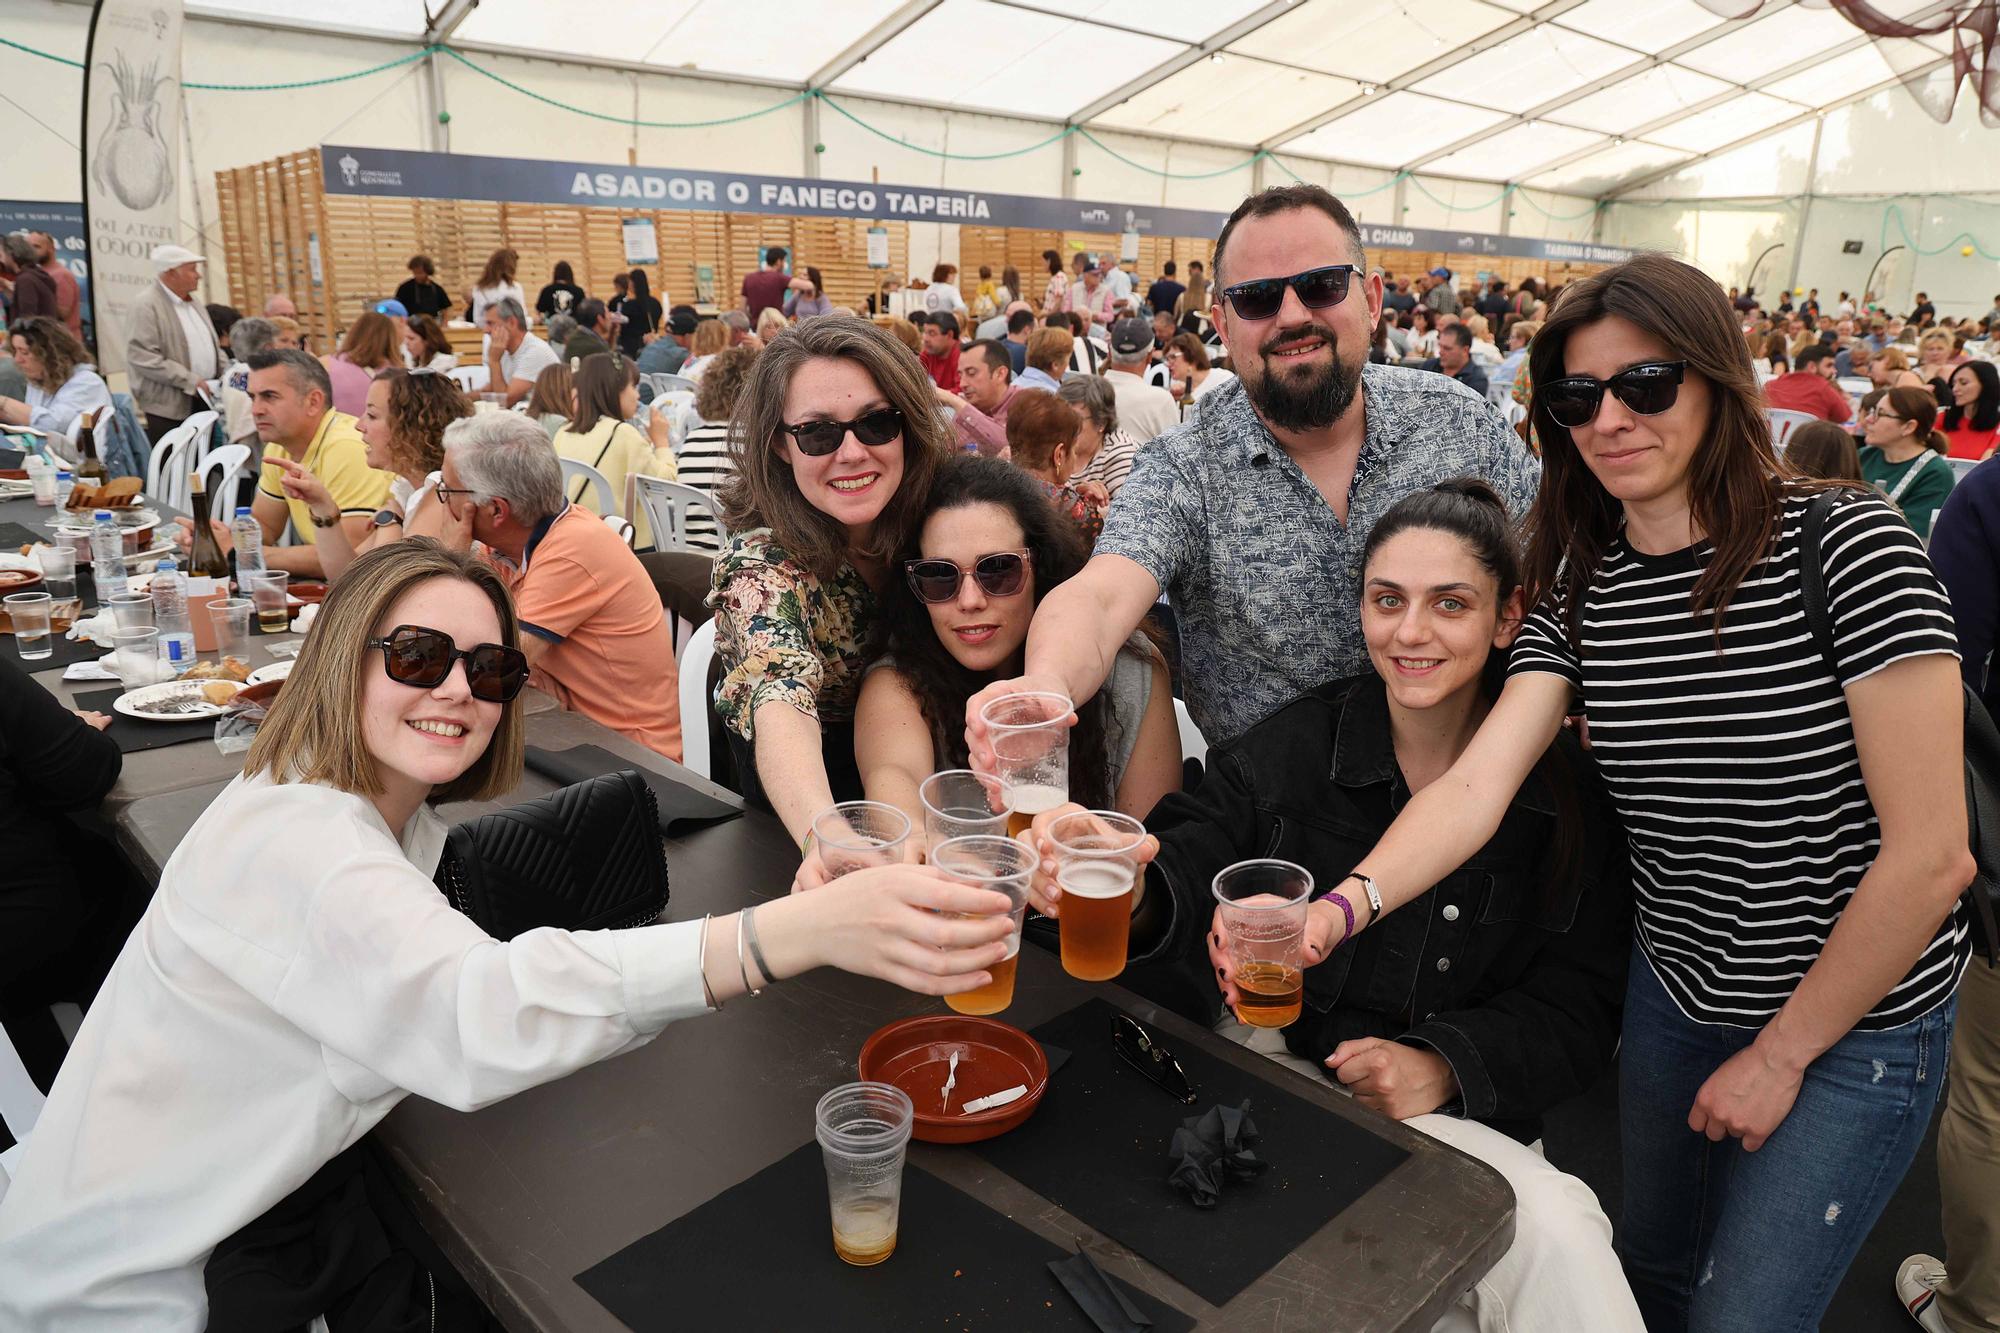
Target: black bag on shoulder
x,y
1982,741
586,857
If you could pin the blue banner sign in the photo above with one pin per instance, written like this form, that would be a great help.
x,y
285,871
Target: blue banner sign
x,y
400,173
64,224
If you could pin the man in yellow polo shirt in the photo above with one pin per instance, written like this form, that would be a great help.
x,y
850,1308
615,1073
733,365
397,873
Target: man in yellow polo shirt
x,y
291,400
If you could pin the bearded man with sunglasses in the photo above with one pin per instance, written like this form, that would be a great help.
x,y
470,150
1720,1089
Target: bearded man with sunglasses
x,y
1252,514
591,623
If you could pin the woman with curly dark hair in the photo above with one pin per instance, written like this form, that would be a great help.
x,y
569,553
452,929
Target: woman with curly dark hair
x,y
403,424
954,618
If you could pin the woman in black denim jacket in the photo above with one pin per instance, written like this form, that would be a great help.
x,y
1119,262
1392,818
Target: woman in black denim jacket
x,y
1496,995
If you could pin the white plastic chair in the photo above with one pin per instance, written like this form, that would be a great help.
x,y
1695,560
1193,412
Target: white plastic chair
x,y
626,532
1855,385
1961,468
472,379
667,505
232,460
673,384
1783,423
1193,744
694,664
177,453
677,405
607,499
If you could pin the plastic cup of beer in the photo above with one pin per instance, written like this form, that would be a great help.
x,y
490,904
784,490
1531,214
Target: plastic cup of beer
x,y
1263,905
854,835
959,803
30,613
231,618
990,861
131,610
59,577
864,1131
1029,733
135,658
1097,865
268,591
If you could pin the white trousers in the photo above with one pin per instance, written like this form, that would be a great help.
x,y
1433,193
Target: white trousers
x,y
1559,1274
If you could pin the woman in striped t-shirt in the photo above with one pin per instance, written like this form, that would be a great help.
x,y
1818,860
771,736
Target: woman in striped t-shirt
x,y
1797,825
704,454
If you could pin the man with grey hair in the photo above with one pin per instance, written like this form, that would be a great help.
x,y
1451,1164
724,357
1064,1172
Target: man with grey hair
x,y
247,338
291,402
514,356
34,289
1146,409
739,326
591,623
172,352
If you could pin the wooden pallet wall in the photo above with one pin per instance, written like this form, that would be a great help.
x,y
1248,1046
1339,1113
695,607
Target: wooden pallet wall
x,y
1022,247
271,210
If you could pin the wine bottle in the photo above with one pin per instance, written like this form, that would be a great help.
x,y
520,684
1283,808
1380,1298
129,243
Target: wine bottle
x,y
205,558
90,469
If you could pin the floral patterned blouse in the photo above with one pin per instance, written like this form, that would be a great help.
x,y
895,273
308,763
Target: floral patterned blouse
x,y
1089,519
783,633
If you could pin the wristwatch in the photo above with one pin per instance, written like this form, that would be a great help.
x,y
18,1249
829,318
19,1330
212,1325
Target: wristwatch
x,y
1368,887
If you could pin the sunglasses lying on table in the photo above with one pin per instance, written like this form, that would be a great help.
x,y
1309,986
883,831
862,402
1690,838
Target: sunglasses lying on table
x,y
1138,1048
421,658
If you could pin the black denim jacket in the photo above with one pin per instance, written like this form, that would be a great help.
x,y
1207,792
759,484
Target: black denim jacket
x,y
1515,979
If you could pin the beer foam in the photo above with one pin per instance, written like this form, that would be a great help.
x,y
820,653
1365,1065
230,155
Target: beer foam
x,y
1095,879
1034,800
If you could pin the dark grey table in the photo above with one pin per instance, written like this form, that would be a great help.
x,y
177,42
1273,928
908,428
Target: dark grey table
x,y
528,1193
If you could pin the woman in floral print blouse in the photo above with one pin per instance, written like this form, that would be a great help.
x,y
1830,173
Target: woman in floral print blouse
x,y
835,441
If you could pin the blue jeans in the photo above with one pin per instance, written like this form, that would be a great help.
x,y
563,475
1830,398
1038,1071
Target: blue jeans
x,y
1718,1240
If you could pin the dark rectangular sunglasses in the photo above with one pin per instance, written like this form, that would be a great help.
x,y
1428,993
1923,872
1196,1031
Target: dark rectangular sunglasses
x,y
1139,1049
421,658
817,439
1648,389
1001,574
1318,288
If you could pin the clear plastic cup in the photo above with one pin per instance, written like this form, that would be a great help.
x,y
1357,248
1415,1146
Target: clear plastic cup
x,y
997,862
1263,907
231,617
43,481
959,803
864,1133
30,614
1097,869
854,835
135,658
59,577
267,589
131,610
1029,733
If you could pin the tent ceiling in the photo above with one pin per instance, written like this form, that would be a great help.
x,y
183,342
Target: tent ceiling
x,y
1574,95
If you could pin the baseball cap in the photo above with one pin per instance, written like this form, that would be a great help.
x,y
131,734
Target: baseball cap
x,y
1440,273
395,308
173,256
1131,335
682,320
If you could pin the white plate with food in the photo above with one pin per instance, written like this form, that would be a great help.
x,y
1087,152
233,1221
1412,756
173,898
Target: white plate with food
x,y
275,671
177,700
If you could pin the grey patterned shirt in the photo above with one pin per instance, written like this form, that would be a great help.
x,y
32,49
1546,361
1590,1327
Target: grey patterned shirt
x,y
1264,579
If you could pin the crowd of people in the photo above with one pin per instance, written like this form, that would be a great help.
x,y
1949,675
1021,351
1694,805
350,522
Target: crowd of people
x,y
1545,708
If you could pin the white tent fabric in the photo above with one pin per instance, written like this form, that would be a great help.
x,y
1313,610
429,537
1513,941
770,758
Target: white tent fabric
x,y
1576,95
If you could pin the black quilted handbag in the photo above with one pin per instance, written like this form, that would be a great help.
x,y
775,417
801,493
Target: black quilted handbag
x,y
586,857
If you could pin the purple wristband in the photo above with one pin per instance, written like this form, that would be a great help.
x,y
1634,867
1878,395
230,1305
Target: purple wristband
x,y
1346,910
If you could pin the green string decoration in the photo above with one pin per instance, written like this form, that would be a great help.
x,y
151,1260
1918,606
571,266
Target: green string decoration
x,y
482,71
1057,137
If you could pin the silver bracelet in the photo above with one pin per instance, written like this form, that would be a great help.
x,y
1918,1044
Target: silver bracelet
x,y
742,967
757,949
701,966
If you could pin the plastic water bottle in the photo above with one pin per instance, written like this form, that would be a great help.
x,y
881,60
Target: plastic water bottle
x,y
247,536
107,557
170,617
65,483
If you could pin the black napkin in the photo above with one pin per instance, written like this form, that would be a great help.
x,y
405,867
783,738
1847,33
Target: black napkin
x,y
682,809
1098,1296
760,1256
133,735
1212,1149
12,458
13,536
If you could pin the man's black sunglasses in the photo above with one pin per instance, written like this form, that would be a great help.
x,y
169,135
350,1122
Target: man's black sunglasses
x,y
816,439
1318,288
1001,574
1648,389
421,658
1137,1047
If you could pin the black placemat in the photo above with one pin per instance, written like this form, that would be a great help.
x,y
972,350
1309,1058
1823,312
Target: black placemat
x,y
63,652
13,536
682,809
1097,1146
760,1256
133,735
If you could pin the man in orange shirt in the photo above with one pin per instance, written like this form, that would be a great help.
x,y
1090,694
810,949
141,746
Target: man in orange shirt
x,y
1810,388
591,622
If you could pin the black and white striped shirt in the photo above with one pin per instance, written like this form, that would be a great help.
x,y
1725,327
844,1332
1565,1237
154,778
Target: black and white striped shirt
x,y
705,464
1736,774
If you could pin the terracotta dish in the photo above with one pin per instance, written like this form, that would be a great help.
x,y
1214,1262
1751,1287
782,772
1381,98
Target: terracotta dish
x,y
915,1055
